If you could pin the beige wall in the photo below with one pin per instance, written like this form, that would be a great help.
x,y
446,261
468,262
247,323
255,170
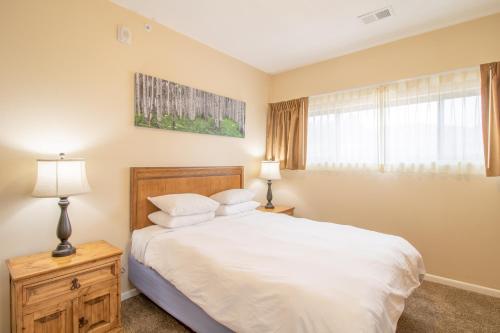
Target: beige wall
x,y
66,85
454,222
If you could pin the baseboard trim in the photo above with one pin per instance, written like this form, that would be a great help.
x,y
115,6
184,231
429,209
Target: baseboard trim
x,y
129,293
463,285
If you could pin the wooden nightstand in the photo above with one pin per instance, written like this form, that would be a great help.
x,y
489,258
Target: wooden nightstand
x,y
278,209
77,293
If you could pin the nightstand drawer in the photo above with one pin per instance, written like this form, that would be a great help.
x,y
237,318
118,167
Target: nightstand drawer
x,y
55,287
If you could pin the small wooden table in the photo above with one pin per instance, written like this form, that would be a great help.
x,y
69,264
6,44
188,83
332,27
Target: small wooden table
x,y
77,293
278,209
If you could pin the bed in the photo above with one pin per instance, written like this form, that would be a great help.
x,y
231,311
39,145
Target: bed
x,y
265,272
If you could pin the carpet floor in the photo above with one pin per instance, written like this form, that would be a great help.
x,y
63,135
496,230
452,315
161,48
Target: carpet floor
x,y
433,308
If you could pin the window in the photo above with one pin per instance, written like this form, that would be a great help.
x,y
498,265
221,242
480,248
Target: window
x,y
430,123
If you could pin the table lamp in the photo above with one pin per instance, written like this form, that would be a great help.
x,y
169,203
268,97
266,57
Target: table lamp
x,y
61,178
270,170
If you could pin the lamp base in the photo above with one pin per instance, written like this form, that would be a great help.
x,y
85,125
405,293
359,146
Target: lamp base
x,y
269,206
63,231
64,249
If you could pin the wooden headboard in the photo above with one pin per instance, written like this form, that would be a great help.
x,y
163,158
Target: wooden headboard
x,y
152,181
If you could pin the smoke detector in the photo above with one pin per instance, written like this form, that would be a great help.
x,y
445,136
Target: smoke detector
x,y
376,15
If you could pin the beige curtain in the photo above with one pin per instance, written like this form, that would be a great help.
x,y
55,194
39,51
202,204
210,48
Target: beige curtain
x,y
490,104
286,134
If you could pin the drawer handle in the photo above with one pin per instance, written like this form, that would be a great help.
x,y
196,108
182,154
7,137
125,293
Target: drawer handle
x,y
49,317
82,322
75,284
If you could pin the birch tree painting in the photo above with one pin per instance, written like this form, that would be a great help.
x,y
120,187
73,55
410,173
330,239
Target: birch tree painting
x,y
169,105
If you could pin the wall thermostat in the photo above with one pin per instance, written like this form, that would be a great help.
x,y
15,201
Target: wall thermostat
x,y
124,35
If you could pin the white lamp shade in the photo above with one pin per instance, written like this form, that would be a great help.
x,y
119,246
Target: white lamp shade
x,y
270,170
60,178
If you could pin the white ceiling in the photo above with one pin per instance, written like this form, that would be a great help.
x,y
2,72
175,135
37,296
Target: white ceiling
x,y
278,35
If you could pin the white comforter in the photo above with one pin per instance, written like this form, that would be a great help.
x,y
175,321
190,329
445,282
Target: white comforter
x,y
267,272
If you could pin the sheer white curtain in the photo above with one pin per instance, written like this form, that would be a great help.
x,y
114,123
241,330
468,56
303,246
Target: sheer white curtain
x,y
430,123
343,129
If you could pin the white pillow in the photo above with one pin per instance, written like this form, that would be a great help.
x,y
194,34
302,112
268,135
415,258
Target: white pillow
x,y
184,204
165,220
237,208
234,196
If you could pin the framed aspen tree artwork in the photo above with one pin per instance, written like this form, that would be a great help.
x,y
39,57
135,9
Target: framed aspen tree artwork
x,y
168,105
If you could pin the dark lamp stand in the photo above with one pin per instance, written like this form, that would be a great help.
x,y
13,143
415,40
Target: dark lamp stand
x,y
63,231
269,204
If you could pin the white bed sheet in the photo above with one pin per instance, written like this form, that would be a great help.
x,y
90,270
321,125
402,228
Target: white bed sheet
x,y
265,272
